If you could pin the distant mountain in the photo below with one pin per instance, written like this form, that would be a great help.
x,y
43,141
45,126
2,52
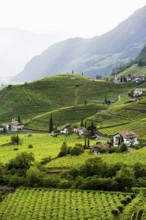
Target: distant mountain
x,y
93,56
17,47
141,59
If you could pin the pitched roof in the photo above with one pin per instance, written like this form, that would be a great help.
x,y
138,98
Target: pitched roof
x,y
67,125
128,134
16,123
81,129
101,145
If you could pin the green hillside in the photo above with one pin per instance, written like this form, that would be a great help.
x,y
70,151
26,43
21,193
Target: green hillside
x,y
69,97
123,116
141,59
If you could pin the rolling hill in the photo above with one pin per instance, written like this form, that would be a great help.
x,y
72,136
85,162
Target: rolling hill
x,y
97,55
69,97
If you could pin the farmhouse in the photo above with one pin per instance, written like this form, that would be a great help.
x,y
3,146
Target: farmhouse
x,y
99,147
2,129
80,130
64,128
138,92
127,137
16,125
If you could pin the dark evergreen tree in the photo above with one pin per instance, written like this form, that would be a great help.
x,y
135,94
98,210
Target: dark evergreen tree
x,y
85,145
105,100
92,129
125,79
51,124
85,124
17,140
82,123
19,120
88,143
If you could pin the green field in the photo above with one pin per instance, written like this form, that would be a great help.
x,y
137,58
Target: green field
x,y
43,145
41,204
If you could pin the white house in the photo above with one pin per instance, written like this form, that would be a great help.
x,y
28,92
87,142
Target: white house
x,y
1,129
64,131
138,92
64,128
127,137
16,125
80,130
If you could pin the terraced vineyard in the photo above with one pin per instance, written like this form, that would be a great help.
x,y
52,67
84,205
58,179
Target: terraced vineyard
x,y
136,210
64,115
120,117
72,95
38,204
126,158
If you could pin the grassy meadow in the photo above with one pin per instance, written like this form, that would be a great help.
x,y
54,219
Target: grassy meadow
x,y
44,146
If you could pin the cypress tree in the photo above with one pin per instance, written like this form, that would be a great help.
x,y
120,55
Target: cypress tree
x,y
19,120
17,140
85,124
92,129
82,123
105,99
88,143
85,145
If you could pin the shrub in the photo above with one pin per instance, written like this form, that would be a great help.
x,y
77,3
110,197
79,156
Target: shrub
x,y
64,184
21,161
76,151
123,148
64,150
30,146
45,160
34,176
29,135
16,181
15,139
112,150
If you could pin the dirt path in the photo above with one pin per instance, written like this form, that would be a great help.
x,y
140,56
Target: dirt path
x,y
28,96
76,95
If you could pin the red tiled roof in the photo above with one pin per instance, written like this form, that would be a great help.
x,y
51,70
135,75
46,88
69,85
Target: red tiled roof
x,y
128,134
101,145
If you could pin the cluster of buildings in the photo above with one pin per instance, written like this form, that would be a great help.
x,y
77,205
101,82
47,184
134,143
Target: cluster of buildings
x,y
127,137
15,125
130,78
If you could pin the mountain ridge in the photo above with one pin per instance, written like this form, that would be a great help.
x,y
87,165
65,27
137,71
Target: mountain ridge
x,y
97,55
18,46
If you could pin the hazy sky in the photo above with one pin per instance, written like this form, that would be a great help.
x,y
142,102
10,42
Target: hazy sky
x,y
84,18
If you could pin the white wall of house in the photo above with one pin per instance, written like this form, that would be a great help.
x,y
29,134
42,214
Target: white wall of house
x,y
64,131
116,140
1,130
129,142
17,127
